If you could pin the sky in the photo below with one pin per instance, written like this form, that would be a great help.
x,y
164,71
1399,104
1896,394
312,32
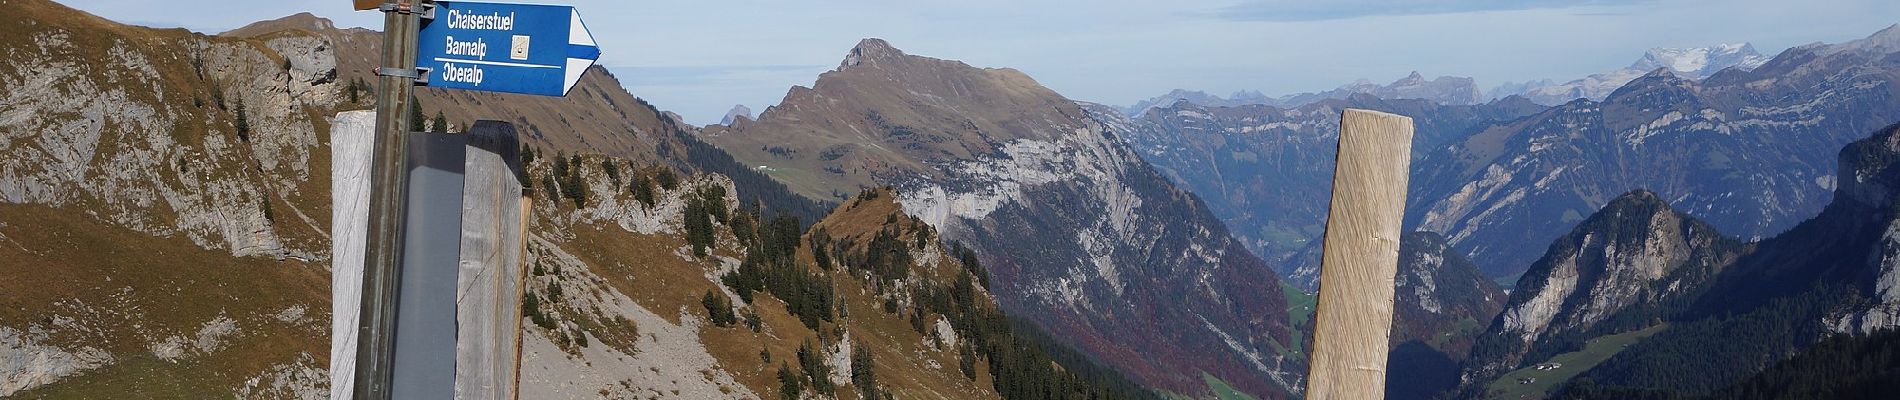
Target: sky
x,y
700,57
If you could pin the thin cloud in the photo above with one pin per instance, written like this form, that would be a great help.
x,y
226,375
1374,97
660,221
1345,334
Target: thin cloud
x,y
1310,10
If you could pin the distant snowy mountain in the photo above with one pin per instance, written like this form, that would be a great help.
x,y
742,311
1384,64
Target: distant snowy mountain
x,y
1240,98
1701,61
1689,63
1449,90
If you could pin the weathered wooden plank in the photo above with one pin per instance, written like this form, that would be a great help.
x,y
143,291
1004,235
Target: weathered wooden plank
x,y
489,284
352,136
1360,258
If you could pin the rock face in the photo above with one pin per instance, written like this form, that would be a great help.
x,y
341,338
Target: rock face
x,y
160,206
1438,290
1267,171
1441,305
1750,152
1873,190
1691,63
1084,238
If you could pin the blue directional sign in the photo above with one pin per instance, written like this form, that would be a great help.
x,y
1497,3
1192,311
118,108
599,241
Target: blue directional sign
x,y
498,47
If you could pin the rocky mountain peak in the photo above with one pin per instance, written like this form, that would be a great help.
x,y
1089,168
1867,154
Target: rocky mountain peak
x,y
1657,89
738,112
1239,98
1604,265
870,50
1626,259
1643,200
1413,79
1882,42
302,21
1700,61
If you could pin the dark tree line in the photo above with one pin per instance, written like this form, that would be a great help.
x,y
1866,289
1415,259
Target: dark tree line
x,y
704,208
571,182
718,309
771,266
1842,367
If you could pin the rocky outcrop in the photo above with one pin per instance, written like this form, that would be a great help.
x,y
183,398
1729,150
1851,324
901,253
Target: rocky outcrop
x,y
160,158
1870,171
1438,291
159,155
1441,305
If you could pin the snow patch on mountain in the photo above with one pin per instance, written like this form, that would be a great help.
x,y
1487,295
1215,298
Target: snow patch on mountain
x,y
1689,63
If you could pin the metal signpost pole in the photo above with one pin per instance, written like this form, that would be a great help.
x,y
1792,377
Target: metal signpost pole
x,y
389,175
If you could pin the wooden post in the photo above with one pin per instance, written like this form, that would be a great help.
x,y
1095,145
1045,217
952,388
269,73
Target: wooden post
x,y
1361,255
521,282
351,136
488,292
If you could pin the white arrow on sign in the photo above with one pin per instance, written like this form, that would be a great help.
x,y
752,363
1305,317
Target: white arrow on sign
x,y
577,35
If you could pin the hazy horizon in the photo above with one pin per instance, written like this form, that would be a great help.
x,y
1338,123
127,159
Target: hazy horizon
x,y
698,59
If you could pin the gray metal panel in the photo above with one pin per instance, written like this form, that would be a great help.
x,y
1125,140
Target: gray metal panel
x,y
424,367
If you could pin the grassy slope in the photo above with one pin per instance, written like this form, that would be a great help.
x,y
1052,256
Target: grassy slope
x,y
1595,351
128,285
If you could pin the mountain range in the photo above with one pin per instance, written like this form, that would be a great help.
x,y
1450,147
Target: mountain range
x,y
1267,171
1745,150
1690,63
913,227
1449,90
